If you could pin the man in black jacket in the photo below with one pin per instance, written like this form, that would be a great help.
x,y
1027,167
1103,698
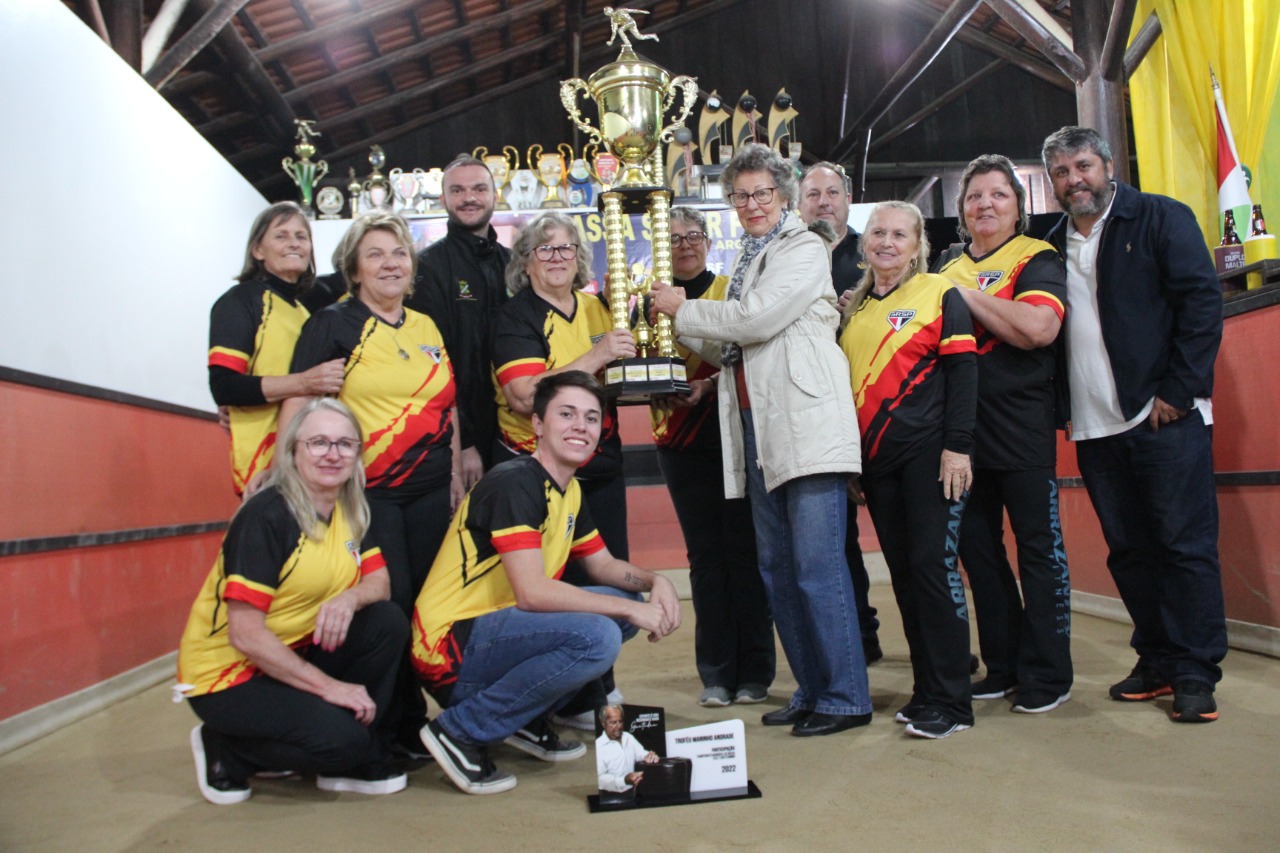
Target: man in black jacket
x,y
461,285
1143,327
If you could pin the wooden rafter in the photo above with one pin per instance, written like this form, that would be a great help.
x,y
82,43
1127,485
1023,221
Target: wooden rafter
x,y
193,41
1142,43
1045,39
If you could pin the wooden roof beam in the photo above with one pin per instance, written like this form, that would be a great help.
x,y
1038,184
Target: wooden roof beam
x,y
1142,43
921,58
975,38
194,40
938,103
408,54
1032,27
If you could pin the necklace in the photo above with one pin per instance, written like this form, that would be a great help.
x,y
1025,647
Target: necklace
x,y
395,328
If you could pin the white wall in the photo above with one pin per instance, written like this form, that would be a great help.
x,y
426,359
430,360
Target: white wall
x,y
120,225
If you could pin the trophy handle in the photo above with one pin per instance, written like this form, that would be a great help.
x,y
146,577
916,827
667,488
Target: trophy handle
x,y
322,169
480,152
689,87
531,158
287,165
395,173
569,98
589,158
566,151
513,157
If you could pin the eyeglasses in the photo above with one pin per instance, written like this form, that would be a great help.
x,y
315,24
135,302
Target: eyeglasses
x,y
762,196
319,447
693,238
567,251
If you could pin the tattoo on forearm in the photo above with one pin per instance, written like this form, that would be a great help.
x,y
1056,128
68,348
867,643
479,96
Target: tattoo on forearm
x,y
635,581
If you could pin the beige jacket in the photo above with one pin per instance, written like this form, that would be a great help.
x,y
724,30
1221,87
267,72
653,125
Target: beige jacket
x,y
796,376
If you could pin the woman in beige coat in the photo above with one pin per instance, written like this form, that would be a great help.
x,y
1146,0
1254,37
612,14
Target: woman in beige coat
x,y
790,436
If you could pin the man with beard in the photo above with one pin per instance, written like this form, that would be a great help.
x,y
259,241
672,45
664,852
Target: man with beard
x,y
824,194
460,286
1143,326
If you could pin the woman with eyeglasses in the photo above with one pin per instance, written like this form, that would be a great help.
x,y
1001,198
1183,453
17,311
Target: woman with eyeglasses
x,y
790,434
290,652
733,646
549,325
399,383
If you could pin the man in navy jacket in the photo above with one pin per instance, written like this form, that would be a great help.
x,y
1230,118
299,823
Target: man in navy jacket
x,y
1143,326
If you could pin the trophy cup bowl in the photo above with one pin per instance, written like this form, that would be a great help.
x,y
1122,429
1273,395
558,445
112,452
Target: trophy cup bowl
x,y
405,187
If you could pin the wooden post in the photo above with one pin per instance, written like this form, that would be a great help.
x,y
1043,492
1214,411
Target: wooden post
x,y
1100,100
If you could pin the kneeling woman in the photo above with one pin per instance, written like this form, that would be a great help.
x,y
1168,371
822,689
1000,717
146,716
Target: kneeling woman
x,y
910,345
291,649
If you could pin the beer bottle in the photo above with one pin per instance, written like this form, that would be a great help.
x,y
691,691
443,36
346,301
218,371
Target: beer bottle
x,y
1229,235
1257,225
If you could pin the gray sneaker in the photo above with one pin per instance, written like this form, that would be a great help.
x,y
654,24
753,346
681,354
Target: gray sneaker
x,y
715,697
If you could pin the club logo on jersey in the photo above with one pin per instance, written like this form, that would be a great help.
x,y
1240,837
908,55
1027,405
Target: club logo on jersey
x,y
988,278
464,289
568,530
353,550
900,318
434,352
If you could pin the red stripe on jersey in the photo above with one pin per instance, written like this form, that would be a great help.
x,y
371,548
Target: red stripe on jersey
x,y
524,540
523,367
238,363
408,429
891,385
236,591
591,545
371,561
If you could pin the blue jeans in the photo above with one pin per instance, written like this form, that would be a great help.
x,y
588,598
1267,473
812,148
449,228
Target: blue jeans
x,y
1155,498
518,665
800,531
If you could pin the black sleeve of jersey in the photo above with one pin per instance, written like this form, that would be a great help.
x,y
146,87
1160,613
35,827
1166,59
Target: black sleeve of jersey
x,y
961,372
260,539
317,343
431,297
515,337
513,497
233,325
1046,272
234,389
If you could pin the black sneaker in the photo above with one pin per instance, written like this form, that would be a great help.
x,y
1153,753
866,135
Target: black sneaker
x,y
378,777
410,746
993,687
908,712
541,741
934,725
216,784
1039,701
1193,702
467,766
1142,684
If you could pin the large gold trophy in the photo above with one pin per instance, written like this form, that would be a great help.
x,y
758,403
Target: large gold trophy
x,y
633,95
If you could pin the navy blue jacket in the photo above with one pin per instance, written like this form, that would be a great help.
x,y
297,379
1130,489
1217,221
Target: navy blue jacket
x,y
1159,300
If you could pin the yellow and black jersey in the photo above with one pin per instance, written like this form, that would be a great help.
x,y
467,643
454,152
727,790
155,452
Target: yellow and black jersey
x,y
532,336
266,561
1015,386
399,384
911,361
698,427
252,330
517,506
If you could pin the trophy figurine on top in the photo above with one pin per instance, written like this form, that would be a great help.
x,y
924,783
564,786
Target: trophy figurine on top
x,y
633,95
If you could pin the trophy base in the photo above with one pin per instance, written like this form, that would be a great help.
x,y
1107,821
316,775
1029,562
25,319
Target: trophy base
x,y
635,381
635,199
502,205
550,204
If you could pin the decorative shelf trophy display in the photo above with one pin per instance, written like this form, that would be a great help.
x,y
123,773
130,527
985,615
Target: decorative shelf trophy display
x,y
633,95
305,172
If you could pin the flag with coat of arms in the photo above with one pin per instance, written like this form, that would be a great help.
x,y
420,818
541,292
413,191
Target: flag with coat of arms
x,y
1233,188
